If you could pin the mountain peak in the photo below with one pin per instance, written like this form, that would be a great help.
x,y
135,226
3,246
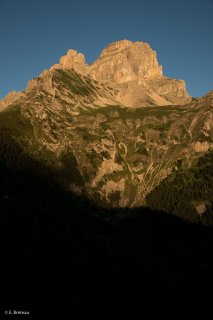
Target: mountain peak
x,y
121,44
133,67
72,60
130,68
125,61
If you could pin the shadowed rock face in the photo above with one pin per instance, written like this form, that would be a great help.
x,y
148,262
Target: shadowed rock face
x,y
113,140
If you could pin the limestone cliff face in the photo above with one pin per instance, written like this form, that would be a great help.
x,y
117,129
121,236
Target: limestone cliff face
x,y
125,61
172,90
10,99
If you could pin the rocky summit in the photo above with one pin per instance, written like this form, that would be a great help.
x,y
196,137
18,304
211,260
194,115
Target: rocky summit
x,y
133,71
112,130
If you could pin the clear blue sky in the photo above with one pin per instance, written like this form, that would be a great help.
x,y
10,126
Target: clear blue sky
x,y
34,34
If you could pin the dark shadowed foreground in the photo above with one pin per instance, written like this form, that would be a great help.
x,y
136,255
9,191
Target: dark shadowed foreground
x,y
60,252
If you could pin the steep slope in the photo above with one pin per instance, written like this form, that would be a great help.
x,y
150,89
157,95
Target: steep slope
x,y
114,154
10,98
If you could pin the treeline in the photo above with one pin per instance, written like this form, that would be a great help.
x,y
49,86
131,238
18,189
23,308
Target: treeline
x,y
184,190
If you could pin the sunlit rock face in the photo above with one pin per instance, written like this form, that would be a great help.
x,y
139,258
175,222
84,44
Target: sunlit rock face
x,y
10,98
133,70
130,68
113,130
72,60
125,61
171,90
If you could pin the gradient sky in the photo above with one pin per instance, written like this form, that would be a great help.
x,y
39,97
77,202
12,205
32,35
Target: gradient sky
x,y
34,34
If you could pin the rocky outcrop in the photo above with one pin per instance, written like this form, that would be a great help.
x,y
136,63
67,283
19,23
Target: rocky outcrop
x,y
43,82
125,61
72,60
10,99
171,90
135,63
208,98
201,208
